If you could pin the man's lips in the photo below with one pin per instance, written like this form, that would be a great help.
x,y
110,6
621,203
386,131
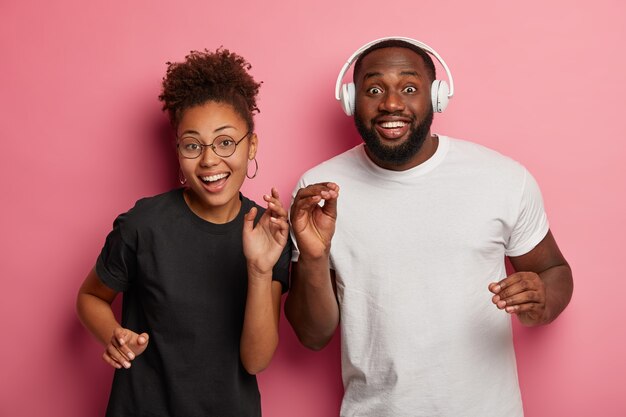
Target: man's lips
x,y
392,129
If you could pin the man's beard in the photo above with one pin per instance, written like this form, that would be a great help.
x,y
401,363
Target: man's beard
x,y
400,154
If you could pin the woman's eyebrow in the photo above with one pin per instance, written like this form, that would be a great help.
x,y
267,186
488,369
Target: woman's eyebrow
x,y
219,129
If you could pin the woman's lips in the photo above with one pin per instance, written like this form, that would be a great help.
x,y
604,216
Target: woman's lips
x,y
214,183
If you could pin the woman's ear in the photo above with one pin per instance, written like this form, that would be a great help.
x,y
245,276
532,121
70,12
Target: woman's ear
x,y
254,143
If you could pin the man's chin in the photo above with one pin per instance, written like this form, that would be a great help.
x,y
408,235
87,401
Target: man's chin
x,y
392,143
394,151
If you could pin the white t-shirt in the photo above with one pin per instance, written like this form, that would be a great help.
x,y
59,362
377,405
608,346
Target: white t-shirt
x,y
413,253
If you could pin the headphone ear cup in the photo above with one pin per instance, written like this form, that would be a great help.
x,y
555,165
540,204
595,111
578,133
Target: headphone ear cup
x,y
439,91
347,98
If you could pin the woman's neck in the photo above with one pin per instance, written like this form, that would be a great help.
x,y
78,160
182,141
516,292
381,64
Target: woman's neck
x,y
213,214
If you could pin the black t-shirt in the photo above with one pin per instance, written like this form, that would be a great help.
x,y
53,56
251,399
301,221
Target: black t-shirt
x,y
184,282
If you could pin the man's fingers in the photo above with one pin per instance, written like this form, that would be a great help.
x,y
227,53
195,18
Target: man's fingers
x,y
522,294
523,308
516,283
314,189
330,205
301,209
309,197
321,190
517,299
305,202
499,286
518,287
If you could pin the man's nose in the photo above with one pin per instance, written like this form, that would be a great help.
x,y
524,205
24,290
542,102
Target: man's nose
x,y
392,102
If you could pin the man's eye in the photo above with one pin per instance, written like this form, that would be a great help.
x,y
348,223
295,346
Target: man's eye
x,y
374,90
410,89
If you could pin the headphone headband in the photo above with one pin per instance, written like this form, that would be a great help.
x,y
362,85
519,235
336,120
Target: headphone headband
x,y
339,86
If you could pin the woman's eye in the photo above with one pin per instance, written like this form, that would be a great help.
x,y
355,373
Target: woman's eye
x,y
192,146
225,143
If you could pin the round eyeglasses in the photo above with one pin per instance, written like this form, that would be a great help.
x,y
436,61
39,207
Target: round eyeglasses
x,y
223,146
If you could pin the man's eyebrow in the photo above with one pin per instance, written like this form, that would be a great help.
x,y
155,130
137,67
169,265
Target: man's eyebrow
x,y
403,73
372,74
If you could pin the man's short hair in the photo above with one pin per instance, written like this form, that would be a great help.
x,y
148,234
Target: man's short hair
x,y
397,43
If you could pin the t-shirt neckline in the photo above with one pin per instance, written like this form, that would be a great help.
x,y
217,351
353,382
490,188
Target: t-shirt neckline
x,y
207,226
425,167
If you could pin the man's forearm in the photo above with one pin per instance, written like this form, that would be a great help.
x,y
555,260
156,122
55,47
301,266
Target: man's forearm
x,y
311,306
559,287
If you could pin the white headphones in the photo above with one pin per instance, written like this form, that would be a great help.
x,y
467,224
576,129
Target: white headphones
x,y
439,91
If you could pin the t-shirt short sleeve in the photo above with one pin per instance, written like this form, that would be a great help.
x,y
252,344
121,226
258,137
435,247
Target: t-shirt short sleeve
x,y
116,265
295,252
281,269
532,222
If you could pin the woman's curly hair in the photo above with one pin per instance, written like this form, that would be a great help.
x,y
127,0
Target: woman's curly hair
x,y
220,76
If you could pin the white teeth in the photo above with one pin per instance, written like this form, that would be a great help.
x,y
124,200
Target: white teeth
x,y
212,178
391,125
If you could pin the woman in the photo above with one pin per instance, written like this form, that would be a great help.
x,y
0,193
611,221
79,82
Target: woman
x,y
202,267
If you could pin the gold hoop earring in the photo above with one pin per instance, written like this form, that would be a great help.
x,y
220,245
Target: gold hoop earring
x,y
256,169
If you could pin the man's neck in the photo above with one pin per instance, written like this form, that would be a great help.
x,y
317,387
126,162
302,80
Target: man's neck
x,y
426,151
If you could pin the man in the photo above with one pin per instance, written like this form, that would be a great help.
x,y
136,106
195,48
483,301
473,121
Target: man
x,y
416,270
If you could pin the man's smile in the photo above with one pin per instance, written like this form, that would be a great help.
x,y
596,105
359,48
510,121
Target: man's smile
x,y
392,128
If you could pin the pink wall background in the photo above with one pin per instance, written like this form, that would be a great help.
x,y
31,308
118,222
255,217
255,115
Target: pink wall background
x,y
83,137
